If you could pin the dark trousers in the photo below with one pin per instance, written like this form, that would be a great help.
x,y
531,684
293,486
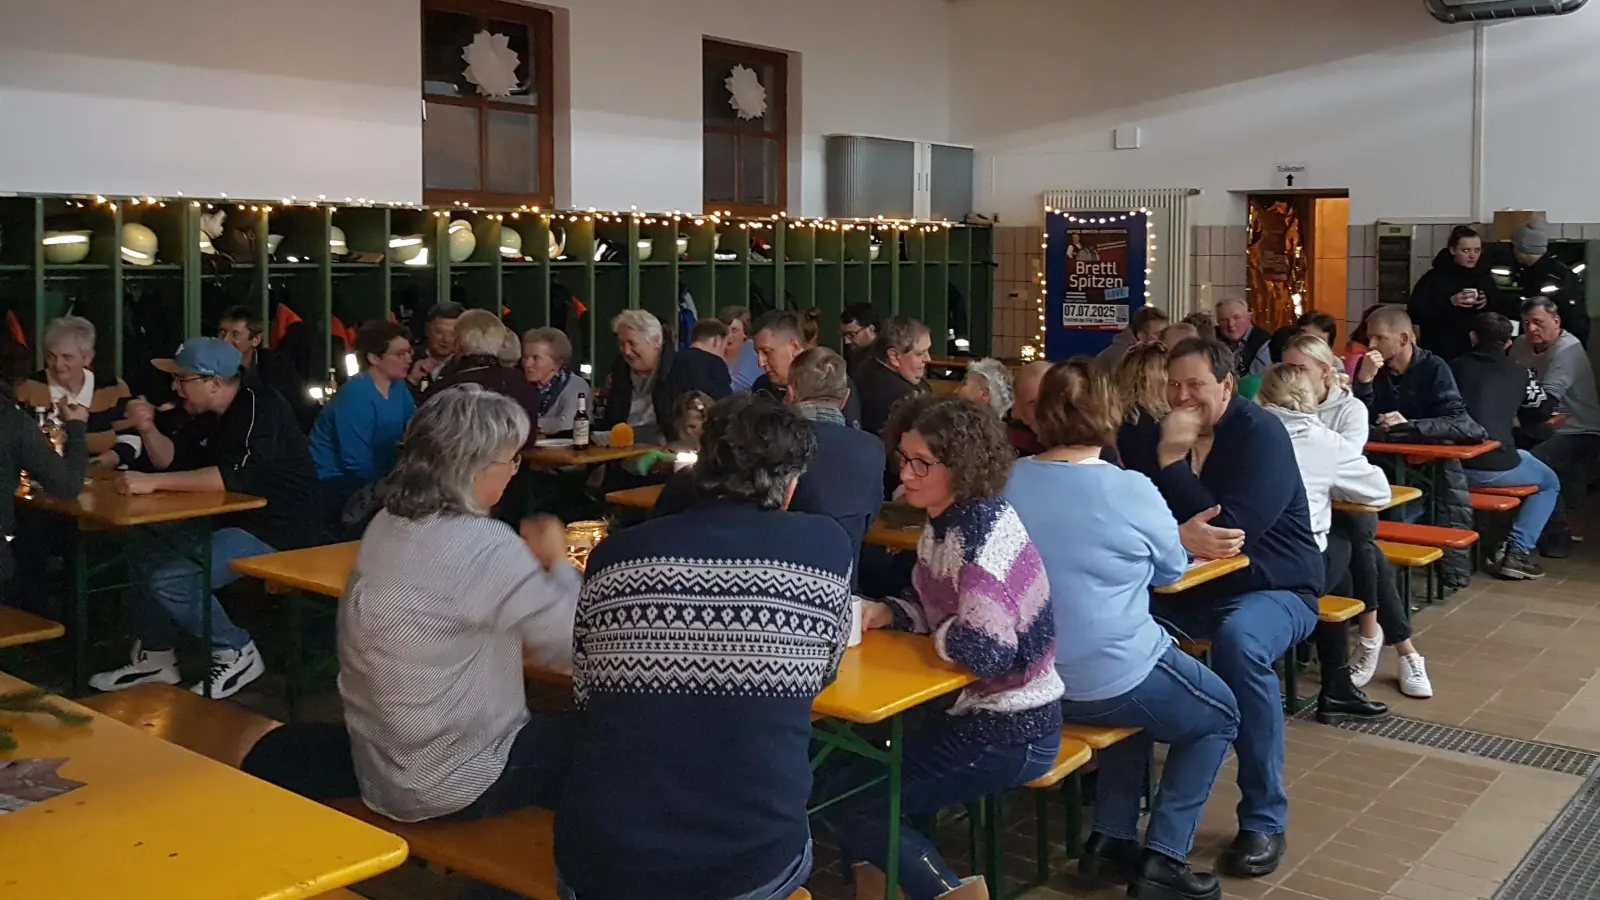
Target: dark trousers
x,y
312,759
1571,456
1372,579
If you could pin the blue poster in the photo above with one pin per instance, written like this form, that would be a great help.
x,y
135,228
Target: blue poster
x,y
1094,278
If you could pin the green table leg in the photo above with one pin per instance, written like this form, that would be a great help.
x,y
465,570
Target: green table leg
x,y
205,599
80,612
892,860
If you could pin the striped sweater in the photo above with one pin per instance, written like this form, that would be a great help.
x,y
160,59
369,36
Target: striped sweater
x,y
107,405
980,590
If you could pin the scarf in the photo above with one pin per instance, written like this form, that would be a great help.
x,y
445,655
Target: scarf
x,y
552,389
820,412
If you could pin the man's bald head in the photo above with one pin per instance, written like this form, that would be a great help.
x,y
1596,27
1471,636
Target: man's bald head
x,y
1026,390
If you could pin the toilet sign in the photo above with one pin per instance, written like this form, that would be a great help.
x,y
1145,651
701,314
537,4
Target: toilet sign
x,y
1291,175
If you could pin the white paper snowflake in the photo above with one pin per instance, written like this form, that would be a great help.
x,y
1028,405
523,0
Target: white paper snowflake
x,y
745,93
491,64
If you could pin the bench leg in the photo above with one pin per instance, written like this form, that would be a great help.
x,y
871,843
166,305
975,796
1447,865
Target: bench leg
x,y
80,612
1041,849
891,870
295,654
1072,794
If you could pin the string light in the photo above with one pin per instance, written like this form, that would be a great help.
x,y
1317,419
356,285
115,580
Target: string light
x,y
1035,349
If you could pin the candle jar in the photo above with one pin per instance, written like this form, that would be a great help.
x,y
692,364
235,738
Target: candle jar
x,y
581,538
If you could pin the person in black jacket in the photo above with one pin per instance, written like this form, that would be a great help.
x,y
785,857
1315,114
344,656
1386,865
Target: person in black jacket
x,y
264,367
1539,273
24,448
779,341
701,366
1448,296
858,325
844,478
897,367
1227,470
636,390
1497,393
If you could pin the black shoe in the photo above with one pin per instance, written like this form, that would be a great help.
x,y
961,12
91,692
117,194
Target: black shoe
x,y
1514,565
1108,860
1340,700
1555,546
1252,854
1160,877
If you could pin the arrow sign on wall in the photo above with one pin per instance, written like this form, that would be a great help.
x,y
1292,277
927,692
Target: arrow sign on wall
x,y
1290,174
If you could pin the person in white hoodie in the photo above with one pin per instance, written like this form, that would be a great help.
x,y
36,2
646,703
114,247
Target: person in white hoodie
x,y
1385,620
1332,469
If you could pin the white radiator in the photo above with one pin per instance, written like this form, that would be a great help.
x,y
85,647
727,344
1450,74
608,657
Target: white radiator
x,y
1169,219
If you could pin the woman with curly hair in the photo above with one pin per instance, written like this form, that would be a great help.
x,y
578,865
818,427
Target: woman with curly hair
x,y
979,588
1141,385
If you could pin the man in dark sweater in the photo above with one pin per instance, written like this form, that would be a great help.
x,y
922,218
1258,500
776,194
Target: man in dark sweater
x,y
778,343
1498,393
896,368
701,366
845,479
701,640
858,325
1411,392
1228,473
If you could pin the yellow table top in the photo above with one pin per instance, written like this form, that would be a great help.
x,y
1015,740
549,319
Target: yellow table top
x,y
18,627
101,504
881,534
156,822
1398,494
557,457
1210,570
319,570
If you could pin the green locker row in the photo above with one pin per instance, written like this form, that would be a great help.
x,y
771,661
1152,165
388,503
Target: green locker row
x,y
150,272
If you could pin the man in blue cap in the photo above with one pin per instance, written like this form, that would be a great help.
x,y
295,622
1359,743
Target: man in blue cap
x,y
239,438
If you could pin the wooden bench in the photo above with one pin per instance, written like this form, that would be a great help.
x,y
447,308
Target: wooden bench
x,y
1508,490
1408,557
1338,609
1071,757
1493,502
1098,737
1427,535
221,731
18,627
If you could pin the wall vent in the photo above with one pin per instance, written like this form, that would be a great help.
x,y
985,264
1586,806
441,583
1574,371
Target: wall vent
x,y
1453,11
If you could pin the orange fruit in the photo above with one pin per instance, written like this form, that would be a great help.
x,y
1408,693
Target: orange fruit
x,y
622,435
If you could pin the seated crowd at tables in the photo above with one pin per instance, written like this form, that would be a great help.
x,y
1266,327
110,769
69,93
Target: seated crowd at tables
x,y
1055,500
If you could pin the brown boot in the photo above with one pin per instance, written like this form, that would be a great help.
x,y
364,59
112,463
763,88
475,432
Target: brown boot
x,y
972,888
871,883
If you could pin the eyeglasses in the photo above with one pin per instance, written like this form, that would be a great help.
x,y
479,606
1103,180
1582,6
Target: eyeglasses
x,y
514,462
918,467
849,334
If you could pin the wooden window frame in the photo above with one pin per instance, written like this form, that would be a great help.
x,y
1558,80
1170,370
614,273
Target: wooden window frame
x,y
542,24
778,106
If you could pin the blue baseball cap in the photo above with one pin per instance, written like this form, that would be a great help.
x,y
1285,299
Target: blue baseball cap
x,y
207,356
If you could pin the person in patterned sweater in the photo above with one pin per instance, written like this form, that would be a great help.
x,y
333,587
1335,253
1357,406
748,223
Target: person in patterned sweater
x,y
979,588
701,640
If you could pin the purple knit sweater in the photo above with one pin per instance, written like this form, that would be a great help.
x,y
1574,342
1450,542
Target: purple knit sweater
x,y
980,590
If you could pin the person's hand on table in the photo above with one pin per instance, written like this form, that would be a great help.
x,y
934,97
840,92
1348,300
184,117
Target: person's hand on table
x,y
67,411
134,483
141,415
1207,541
546,538
1180,429
1371,362
1391,419
875,614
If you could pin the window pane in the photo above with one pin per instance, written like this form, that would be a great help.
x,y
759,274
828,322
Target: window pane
x,y
450,147
520,41
719,169
759,178
718,108
444,35
513,153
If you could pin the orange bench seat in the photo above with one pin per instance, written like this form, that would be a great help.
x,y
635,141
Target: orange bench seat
x,y
1508,490
1427,535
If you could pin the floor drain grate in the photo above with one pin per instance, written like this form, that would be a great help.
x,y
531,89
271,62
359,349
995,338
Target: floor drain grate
x,y
1562,864
1550,757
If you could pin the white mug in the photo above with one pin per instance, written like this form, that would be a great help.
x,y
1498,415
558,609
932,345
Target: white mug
x,y
855,622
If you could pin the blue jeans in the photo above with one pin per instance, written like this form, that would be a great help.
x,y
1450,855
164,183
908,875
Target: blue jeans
x,y
1535,509
166,568
1248,633
777,889
1185,705
939,770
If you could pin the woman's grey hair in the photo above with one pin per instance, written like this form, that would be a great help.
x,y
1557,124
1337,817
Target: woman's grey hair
x,y
998,377
510,348
78,330
457,434
479,333
641,321
560,346
819,375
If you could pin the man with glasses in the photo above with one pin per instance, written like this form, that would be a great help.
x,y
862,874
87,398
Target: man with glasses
x,y
240,438
858,325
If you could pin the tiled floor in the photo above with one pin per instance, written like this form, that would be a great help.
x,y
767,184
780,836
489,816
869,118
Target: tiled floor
x,y
1377,819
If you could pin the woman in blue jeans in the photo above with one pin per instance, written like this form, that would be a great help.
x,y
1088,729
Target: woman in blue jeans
x,y
1106,536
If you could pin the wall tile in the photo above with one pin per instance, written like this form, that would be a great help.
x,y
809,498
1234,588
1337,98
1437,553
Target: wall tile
x,y
1591,232
1234,240
1200,240
1202,269
1235,265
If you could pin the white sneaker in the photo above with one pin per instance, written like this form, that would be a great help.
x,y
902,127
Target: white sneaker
x,y
1414,681
147,667
232,670
1364,663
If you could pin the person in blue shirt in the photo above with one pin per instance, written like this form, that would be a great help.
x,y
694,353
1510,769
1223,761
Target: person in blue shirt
x,y
357,435
1106,536
740,352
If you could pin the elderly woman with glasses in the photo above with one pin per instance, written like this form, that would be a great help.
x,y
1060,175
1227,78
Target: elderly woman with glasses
x,y
979,589
545,354
443,605
68,375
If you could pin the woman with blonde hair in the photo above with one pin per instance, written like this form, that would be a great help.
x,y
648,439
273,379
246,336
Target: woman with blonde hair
x,y
1332,469
1385,619
1141,382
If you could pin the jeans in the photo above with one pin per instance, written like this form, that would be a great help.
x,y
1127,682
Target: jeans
x,y
312,759
777,889
939,770
1535,510
1184,705
1248,633
1570,455
164,565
